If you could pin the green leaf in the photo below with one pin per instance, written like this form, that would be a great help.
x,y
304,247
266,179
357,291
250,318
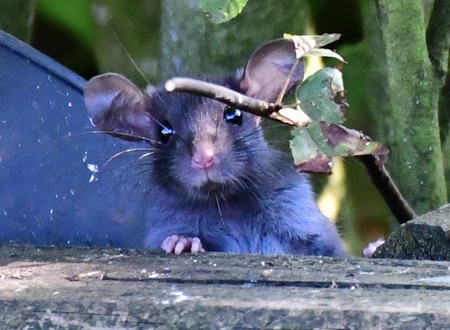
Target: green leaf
x,y
220,11
313,146
322,98
308,157
322,95
348,142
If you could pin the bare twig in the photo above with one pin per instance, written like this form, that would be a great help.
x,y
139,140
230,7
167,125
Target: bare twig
x,y
227,96
288,80
389,191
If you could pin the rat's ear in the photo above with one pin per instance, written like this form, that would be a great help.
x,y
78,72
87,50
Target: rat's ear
x,y
117,106
267,70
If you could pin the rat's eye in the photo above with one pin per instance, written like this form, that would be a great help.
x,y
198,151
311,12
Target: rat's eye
x,y
166,131
233,115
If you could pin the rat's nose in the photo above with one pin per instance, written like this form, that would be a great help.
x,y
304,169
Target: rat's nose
x,y
204,155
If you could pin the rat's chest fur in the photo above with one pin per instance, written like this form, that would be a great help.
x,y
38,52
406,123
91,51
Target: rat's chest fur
x,y
278,215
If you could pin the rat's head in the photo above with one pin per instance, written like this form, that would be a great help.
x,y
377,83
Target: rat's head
x,y
201,147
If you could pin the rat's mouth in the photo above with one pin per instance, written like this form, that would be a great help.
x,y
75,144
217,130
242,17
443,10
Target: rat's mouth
x,y
208,183
211,187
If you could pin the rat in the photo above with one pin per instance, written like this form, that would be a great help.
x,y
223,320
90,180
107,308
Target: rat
x,y
215,183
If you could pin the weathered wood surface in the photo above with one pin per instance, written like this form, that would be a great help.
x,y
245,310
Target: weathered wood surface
x,y
81,288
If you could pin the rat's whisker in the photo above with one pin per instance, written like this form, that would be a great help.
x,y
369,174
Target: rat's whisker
x,y
120,153
127,136
148,154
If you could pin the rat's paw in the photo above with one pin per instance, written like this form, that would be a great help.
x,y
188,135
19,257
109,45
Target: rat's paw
x,y
178,244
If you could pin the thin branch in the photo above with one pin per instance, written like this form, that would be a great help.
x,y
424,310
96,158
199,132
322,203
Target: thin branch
x,y
389,191
288,80
227,96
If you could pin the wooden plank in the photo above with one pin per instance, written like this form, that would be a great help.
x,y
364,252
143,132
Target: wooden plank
x,y
108,288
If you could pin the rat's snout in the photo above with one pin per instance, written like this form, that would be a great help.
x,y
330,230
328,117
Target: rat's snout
x,y
204,155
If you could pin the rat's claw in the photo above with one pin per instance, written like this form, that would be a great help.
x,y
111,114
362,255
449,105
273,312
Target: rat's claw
x,y
182,245
178,244
196,245
169,243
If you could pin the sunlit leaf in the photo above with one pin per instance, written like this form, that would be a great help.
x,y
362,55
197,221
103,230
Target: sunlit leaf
x,y
322,96
323,52
348,142
313,146
220,11
306,43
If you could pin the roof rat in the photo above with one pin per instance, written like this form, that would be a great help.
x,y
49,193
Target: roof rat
x,y
216,185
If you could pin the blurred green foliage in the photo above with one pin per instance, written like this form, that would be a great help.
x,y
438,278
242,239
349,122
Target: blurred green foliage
x,y
219,11
74,18
17,17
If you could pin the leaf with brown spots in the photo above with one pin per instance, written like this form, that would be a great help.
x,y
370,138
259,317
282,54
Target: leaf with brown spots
x,y
322,98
